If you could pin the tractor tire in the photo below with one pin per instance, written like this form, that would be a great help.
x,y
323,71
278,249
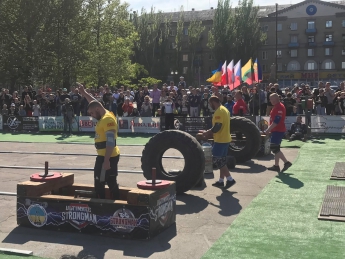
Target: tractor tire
x,y
189,147
252,135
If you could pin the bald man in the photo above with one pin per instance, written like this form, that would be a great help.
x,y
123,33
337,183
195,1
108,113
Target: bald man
x,y
108,154
277,129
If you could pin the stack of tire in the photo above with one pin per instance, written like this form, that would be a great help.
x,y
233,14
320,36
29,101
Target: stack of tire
x,y
193,154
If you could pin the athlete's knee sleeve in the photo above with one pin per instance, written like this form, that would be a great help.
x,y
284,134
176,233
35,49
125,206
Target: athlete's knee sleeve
x,y
275,148
219,162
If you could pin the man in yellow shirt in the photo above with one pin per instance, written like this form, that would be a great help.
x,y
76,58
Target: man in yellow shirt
x,y
108,154
222,138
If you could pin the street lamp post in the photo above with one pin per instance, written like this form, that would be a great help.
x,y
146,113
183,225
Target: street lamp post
x,y
173,73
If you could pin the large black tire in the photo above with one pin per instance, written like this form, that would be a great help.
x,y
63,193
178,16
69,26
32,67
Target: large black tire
x,y
189,147
252,136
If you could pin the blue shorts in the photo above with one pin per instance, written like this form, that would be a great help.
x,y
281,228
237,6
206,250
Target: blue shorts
x,y
220,149
277,137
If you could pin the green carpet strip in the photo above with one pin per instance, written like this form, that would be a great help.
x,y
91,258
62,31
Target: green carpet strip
x,y
281,222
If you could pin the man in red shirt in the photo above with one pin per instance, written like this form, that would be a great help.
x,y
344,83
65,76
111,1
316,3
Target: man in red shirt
x,y
240,107
277,130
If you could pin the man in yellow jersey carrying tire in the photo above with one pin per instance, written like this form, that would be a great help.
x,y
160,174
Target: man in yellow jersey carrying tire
x,y
222,138
108,154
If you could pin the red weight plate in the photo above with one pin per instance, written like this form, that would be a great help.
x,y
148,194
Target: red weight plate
x,y
146,186
37,178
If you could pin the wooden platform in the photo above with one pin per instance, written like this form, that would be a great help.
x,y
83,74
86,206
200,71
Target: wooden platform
x,y
333,205
338,171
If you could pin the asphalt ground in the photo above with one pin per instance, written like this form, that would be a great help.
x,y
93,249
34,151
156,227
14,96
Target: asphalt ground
x,y
203,214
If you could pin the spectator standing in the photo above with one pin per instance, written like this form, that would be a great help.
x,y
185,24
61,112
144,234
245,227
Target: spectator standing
x,y
229,104
64,95
127,107
155,96
182,82
194,103
28,105
14,96
269,104
68,115
76,100
254,102
120,101
162,99
36,109
184,106
146,91
321,102
289,103
4,110
13,111
329,93
245,94
21,111
146,107
204,105
240,107
4,98
169,113
51,105
58,103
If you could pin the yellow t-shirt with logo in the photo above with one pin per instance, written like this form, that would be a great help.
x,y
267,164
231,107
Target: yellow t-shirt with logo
x,y
222,115
106,123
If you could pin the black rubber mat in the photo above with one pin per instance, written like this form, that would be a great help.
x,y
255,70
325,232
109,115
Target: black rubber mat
x,y
338,171
333,205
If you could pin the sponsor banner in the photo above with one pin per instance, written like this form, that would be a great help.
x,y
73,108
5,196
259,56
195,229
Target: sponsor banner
x,y
191,125
48,123
328,124
139,124
265,122
19,123
87,124
1,122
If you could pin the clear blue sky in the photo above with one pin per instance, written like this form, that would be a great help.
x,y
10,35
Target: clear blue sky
x,y
174,5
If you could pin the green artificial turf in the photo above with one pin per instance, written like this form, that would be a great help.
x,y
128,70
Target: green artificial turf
x,y
281,222
292,144
123,139
13,256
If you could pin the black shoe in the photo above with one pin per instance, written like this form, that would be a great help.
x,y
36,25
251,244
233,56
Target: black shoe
x,y
218,184
229,183
286,166
275,168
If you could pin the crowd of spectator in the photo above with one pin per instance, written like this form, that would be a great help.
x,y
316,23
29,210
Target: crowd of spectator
x,y
182,100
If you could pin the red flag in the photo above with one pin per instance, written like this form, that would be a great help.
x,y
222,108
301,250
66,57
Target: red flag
x,y
231,78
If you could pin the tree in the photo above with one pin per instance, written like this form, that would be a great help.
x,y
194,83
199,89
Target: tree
x,y
195,30
178,40
236,32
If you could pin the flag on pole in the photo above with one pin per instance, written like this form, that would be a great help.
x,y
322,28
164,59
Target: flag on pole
x,y
247,72
230,71
224,78
217,75
257,71
237,73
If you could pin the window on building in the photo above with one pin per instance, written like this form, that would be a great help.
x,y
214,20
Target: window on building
x,y
293,26
343,65
329,65
343,52
343,23
279,53
172,45
185,57
185,31
172,33
279,40
343,37
279,27
185,69
293,53
310,52
329,37
210,57
328,51
264,55
328,24
293,66
311,65
266,42
265,28
293,39
311,24
311,38
280,67
263,68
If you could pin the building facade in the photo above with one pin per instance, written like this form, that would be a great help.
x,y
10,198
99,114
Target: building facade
x,y
310,43
310,40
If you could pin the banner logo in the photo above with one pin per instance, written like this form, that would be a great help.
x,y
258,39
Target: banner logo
x,y
164,207
13,122
79,215
123,220
37,215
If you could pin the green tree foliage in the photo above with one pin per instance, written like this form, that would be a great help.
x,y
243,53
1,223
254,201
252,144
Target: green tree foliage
x,y
236,32
60,41
152,44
